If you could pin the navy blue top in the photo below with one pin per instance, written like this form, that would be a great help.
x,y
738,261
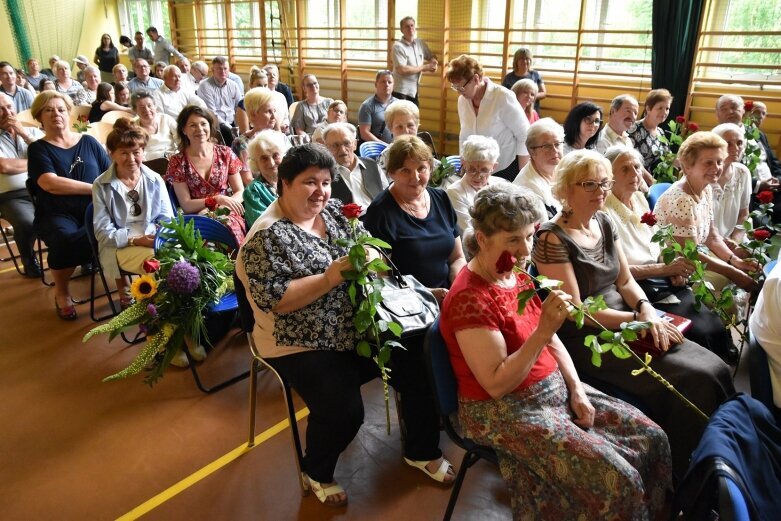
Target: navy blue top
x,y
511,78
421,247
84,161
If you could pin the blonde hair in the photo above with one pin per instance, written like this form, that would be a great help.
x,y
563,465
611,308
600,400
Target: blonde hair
x,y
43,99
690,149
574,167
401,108
256,98
525,85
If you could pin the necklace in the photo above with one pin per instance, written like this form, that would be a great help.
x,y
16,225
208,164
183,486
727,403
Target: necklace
x,y
693,194
411,209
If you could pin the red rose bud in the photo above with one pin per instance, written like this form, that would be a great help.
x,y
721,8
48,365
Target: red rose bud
x,y
761,235
648,218
748,106
680,119
693,127
84,119
505,262
765,197
211,203
151,265
352,210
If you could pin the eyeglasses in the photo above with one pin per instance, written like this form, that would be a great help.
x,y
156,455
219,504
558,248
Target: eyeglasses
x,y
595,121
548,147
591,186
461,88
343,144
135,208
485,171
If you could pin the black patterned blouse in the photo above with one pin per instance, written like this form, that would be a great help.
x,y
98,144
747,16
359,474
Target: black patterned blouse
x,y
649,146
282,252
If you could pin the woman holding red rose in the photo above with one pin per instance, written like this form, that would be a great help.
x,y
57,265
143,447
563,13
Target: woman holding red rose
x,y
292,266
204,169
129,201
665,285
519,391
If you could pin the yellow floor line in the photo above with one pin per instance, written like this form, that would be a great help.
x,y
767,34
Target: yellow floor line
x,y
6,270
207,470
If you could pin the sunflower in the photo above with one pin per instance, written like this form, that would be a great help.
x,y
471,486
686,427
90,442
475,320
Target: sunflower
x,y
143,287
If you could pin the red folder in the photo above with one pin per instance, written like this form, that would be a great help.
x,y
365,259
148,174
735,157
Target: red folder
x,y
646,345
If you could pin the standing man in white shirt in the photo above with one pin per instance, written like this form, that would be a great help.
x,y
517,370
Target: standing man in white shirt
x,y
411,57
221,96
171,98
163,48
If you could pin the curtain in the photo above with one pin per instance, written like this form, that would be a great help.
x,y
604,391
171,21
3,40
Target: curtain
x,y
43,28
674,27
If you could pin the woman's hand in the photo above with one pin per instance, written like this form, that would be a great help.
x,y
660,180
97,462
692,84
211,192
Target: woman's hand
x,y
230,203
678,280
681,267
581,406
743,280
439,294
664,333
746,265
555,310
333,273
147,241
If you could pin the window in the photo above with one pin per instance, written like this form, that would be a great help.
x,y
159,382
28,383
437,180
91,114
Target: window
x,y
137,15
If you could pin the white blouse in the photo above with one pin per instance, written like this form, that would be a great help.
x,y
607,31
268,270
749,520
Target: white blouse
x,y
731,199
635,236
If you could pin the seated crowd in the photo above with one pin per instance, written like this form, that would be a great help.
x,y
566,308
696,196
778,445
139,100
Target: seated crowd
x,y
568,197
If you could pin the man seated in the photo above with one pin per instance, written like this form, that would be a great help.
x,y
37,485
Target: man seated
x,y
171,98
623,114
15,203
221,96
139,50
143,79
360,180
188,82
199,72
163,48
276,85
371,115
22,99
50,71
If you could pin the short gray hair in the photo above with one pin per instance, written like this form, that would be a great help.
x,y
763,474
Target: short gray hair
x,y
347,128
723,128
540,128
201,67
619,101
616,151
266,140
480,148
733,98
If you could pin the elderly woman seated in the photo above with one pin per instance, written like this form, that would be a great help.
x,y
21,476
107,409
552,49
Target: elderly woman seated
x,y
160,127
664,284
525,91
581,248
402,119
688,206
544,142
266,151
130,200
519,391
478,161
292,265
732,192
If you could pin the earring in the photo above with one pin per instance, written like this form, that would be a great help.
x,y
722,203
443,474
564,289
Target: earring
x,y
566,213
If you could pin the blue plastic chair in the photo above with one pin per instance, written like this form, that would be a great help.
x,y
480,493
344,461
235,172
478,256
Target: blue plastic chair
x,y
371,149
769,267
445,388
213,231
655,192
456,162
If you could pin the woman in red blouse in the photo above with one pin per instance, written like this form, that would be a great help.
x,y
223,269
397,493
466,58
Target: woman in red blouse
x,y
203,170
566,450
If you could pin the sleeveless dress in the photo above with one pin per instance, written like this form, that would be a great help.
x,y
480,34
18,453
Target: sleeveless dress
x,y
695,372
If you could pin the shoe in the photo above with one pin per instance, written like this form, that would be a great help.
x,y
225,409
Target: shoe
x,y
732,356
197,352
31,268
66,313
180,360
125,301
442,474
86,268
324,493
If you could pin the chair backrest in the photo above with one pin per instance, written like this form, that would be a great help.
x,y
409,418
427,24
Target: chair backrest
x,y
655,192
769,267
371,149
440,369
428,140
27,119
159,165
100,131
292,109
112,116
90,226
456,162
79,110
245,310
210,229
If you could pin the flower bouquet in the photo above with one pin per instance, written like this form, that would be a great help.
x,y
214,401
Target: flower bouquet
x,y
81,124
444,170
216,212
187,276
666,171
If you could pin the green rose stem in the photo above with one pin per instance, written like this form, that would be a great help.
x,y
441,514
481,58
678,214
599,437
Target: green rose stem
x,y
365,319
615,342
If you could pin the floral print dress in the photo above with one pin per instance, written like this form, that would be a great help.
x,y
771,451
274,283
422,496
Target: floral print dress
x,y
225,163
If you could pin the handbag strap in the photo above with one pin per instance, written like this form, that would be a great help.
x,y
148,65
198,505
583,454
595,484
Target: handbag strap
x,y
395,272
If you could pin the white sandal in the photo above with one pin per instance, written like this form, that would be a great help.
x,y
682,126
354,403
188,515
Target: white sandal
x,y
439,475
324,493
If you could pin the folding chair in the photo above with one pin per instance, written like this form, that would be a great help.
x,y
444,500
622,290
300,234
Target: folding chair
x,y
93,243
32,190
212,231
428,140
445,387
655,192
258,364
11,255
371,149
456,162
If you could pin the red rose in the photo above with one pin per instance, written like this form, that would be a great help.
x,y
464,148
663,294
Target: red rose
x,y
748,106
211,203
765,197
151,265
83,118
761,235
680,119
693,127
352,210
648,218
505,262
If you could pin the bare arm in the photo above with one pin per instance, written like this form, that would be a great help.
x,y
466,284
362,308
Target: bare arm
x,y
542,93
456,261
57,185
12,166
579,402
366,135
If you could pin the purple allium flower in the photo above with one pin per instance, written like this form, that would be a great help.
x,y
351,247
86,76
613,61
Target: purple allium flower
x,y
183,278
152,310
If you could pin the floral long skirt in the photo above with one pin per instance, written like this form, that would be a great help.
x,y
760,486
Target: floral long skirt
x,y
619,469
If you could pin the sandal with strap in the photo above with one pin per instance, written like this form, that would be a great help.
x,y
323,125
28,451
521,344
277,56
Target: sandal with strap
x,y
440,475
66,313
324,493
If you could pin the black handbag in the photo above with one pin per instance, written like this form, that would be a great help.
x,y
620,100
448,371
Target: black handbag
x,y
656,288
407,302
